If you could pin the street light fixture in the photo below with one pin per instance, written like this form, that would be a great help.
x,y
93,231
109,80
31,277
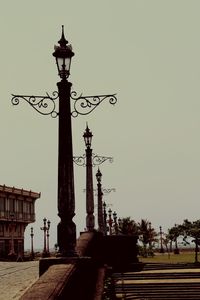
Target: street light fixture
x,y
89,180
99,202
82,105
32,251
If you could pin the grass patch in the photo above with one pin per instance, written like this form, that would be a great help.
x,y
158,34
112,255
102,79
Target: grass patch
x,y
184,257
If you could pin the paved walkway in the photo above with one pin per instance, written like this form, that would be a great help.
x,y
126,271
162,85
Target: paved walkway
x,y
16,277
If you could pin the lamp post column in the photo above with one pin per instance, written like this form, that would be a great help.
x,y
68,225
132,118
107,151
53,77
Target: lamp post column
x,y
66,200
32,251
89,181
99,200
161,240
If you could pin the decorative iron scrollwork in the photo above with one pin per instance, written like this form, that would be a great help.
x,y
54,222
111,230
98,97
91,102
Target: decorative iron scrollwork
x,y
84,105
96,160
45,105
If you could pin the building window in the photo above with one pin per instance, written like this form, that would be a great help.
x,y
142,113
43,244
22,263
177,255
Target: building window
x,y
12,204
20,206
1,230
2,204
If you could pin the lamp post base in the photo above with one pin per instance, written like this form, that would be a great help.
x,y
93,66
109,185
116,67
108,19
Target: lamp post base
x,y
66,239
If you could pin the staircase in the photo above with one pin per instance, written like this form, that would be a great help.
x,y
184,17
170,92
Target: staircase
x,y
159,281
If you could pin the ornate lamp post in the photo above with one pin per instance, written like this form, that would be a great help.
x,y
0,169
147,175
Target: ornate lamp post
x,y
12,253
89,180
89,160
46,105
99,202
32,251
161,240
104,218
115,222
110,221
48,227
45,228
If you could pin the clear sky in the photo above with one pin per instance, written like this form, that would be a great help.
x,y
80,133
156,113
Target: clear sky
x,y
146,51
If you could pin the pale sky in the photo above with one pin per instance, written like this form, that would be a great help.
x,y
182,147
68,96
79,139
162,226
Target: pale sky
x,y
146,51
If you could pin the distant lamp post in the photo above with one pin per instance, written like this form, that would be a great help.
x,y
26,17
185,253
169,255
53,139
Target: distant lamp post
x,y
104,219
48,227
110,221
45,228
99,202
47,105
115,222
12,253
161,240
32,251
89,181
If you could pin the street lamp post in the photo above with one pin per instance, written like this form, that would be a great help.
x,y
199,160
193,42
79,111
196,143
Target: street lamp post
x,y
99,202
161,240
115,222
110,221
12,253
32,251
48,227
89,181
104,218
82,105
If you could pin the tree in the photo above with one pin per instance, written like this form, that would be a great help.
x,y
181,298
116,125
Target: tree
x,y
147,235
173,234
192,229
128,226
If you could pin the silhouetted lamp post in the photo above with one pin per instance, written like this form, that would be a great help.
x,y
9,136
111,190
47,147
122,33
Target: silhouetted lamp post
x,y
110,221
45,228
89,180
47,105
48,227
32,251
161,240
99,202
104,219
12,253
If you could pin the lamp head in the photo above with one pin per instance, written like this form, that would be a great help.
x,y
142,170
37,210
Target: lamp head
x,y
63,55
87,137
98,176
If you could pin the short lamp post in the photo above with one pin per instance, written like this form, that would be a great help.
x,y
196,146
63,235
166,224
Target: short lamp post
x,y
115,222
45,228
161,240
89,181
32,251
47,105
48,227
99,202
110,221
104,219
12,253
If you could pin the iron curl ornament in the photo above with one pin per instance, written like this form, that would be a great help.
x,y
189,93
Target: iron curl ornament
x,y
83,105
46,105
96,160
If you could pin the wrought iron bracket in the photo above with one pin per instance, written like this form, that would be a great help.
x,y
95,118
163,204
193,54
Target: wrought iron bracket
x,y
46,105
96,160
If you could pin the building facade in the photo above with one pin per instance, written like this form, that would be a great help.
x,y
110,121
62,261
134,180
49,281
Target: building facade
x,y
17,210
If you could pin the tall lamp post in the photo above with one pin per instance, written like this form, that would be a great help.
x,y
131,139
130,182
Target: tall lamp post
x,y
90,160
32,251
82,105
99,202
161,240
89,180
48,227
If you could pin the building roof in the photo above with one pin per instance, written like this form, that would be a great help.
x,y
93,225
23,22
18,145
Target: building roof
x,y
13,190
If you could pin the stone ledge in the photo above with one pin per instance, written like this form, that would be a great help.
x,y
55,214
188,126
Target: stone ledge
x,y
51,284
